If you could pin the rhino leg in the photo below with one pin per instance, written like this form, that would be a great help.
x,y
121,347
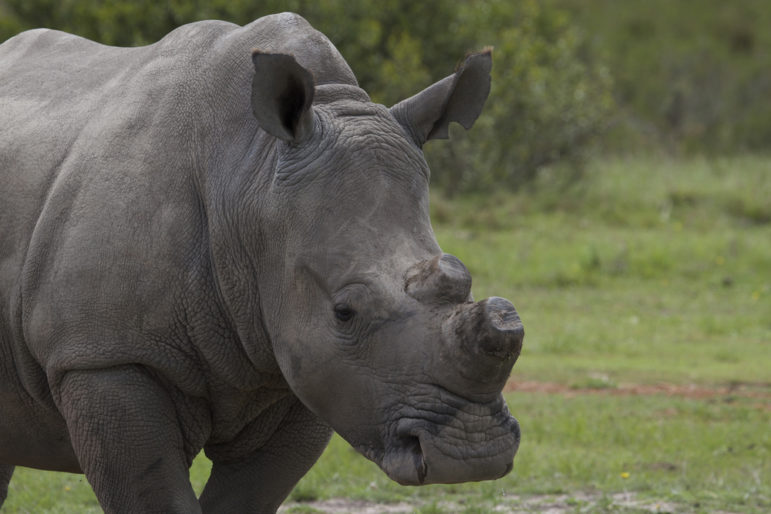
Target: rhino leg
x,y
262,480
5,476
128,440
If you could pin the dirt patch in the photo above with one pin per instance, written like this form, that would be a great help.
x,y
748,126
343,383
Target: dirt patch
x,y
543,504
758,391
343,506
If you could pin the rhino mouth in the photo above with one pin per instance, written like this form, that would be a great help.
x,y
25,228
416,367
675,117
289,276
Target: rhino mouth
x,y
450,444
405,462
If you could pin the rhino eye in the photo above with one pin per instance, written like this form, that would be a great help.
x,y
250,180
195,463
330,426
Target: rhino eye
x,y
344,312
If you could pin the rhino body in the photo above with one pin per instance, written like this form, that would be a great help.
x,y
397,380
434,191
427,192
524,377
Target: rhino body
x,y
219,242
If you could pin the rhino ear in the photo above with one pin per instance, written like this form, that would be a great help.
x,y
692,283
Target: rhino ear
x,y
282,94
459,97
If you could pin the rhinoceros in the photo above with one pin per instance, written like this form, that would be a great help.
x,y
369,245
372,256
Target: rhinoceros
x,y
218,242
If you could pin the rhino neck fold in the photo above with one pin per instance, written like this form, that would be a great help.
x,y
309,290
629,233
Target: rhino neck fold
x,y
327,93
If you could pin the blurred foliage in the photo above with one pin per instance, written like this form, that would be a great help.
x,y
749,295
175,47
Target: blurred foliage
x,y
691,76
549,99
687,77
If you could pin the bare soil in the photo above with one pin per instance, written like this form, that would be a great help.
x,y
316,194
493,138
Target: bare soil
x,y
542,504
761,392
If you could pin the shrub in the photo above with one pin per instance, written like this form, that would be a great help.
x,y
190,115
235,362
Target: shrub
x,y
549,99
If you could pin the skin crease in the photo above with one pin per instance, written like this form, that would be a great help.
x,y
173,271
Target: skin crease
x,y
208,248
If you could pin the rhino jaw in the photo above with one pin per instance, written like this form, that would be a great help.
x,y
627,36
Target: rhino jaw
x,y
464,446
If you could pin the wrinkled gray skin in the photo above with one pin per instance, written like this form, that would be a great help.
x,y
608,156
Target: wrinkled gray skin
x,y
205,247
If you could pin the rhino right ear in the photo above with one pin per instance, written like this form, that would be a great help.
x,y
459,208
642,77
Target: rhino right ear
x,y
459,97
282,95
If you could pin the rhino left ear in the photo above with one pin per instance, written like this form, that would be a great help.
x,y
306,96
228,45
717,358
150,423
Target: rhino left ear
x,y
459,97
282,95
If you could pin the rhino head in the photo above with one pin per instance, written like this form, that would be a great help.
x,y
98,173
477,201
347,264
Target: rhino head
x,y
373,327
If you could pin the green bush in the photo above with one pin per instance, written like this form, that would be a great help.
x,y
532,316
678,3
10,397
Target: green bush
x,y
549,99
691,76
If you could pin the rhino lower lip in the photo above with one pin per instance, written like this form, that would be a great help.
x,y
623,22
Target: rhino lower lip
x,y
417,454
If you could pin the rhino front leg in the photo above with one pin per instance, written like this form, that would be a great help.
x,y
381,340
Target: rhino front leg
x,y
6,471
259,482
127,437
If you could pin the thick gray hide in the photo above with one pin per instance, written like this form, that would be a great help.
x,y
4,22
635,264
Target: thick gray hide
x,y
218,242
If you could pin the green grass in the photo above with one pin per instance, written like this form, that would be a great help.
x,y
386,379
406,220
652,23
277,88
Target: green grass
x,y
645,271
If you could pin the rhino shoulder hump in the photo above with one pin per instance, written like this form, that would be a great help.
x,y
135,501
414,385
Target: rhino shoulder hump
x,y
289,33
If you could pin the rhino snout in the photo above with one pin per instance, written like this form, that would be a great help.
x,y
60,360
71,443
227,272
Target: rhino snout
x,y
424,452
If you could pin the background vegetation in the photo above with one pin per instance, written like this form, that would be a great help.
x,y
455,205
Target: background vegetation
x,y
617,189
687,77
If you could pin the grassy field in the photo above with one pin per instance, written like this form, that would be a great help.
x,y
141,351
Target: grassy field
x,y
646,276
